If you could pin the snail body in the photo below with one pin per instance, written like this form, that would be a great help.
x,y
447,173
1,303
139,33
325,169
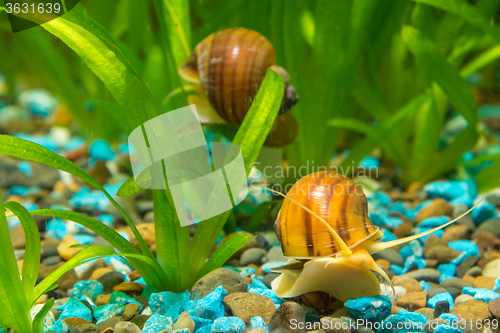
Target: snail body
x,y
228,67
324,220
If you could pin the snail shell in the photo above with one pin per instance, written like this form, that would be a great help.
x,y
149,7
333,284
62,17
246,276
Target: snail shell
x,y
333,197
230,66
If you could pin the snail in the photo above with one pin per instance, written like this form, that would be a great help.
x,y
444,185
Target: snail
x,y
324,225
228,68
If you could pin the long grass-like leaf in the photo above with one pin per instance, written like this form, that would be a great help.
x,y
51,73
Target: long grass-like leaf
x,y
250,138
352,124
40,316
13,302
258,216
33,248
489,178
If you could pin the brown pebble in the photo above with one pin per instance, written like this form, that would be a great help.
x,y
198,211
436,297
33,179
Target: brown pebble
x,y
472,310
102,299
258,271
147,231
413,300
75,321
134,275
65,251
385,264
442,253
437,207
129,287
484,282
427,312
395,309
42,299
455,232
100,272
403,230
469,278
249,305
494,307
321,302
410,284
17,237
486,240
130,311
67,284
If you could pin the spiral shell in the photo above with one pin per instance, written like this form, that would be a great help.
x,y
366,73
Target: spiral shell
x,y
230,66
333,197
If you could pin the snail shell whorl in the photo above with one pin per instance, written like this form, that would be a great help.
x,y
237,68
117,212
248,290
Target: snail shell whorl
x,y
231,65
335,198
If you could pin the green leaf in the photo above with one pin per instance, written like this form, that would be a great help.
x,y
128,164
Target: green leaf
x,y
40,316
250,138
13,302
129,187
489,178
352,124
28,150
33,248
224,252
94,252
481,61
465,11
260,213
108,234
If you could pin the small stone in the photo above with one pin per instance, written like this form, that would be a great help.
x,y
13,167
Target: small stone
x,y
474,271
75,321
455,232
456,283
284,314
130,311
375,308
463,298
494,307
426,274
184,322
252,256
109,280
482,295
85,328
228,325
90,288
105,312
431,242
75,308
435,291
486,240
140,321
126,327
157,323
492,225
427,312
275,254
440,308
52,260
100,272
249,305
390,255
439,298
442,254
484,282
65,251
410,284
269,278
102,299
437,207
413,300
463,267
229,279
472,310
492,269
109,323
129,288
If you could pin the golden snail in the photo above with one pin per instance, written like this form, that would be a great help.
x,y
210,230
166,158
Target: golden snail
x,y
324,220
230,65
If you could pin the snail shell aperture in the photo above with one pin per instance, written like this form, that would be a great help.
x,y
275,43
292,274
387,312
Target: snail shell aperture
x,y
324,218
230,66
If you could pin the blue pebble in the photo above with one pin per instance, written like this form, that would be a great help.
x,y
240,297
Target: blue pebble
x,y
107,219
142,281
443,328
439,298
398,270
497,284
101,150
482,213
467,246
421,263
60,327
22,191
417,249
433,222
161,302
387,236
423,239
108,311
75,308
258,284
84,239
182,330
209,307
90,288
463,200
450,318
445,277
382,198
392,222
395,321
204,329
448,269
369,162
406,251
425,286
157,323
266,268
452,189
258,322
272,295
120,298
481,294
39,101
201,323
74,144
376,219
413,316
42,140
25,167
228,325
375,308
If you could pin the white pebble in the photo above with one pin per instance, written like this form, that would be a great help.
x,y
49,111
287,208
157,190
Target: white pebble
x,y
387,291
147,312
184,321
60,135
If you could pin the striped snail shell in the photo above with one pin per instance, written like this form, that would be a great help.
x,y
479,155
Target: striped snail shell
x,y
230,66
333,197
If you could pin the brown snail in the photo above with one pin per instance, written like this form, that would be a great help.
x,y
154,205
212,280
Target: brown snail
x,y
324,220
229,66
